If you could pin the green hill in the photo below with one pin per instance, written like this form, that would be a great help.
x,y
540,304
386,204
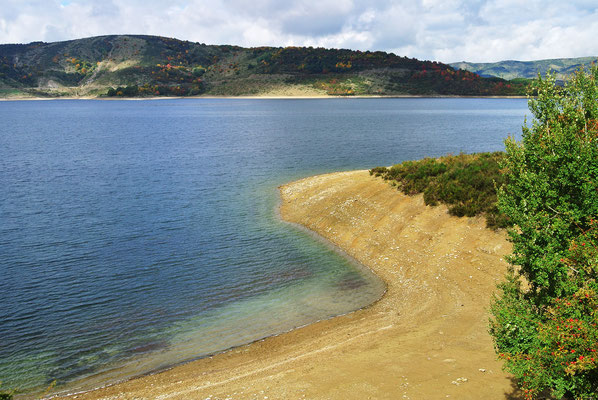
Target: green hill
x,y
563,67
137,65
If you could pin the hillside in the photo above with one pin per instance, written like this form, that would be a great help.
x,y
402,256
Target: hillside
x,y
563,67
136,65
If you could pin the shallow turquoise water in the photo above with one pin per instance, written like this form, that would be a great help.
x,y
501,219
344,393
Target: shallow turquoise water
x,y
136,235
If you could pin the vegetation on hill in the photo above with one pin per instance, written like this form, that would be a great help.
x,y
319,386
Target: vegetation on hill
x,y
465,183
136,65
513,70
546,330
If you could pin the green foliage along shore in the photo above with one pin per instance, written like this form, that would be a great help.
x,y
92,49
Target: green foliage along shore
x,y
465,183
545,318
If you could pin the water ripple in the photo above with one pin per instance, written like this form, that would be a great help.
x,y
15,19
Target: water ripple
x,y
135,235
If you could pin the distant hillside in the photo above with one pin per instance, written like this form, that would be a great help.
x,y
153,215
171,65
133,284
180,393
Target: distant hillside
x,y
136,65
563,67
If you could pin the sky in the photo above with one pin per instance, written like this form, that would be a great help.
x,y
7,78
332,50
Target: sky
x,y
441,30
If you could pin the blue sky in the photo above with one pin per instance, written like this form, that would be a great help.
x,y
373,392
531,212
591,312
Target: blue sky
x,y
443,30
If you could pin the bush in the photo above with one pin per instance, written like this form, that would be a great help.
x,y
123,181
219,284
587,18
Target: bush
x,y
379,171
465,183
556,351
128,91
131,91
546,329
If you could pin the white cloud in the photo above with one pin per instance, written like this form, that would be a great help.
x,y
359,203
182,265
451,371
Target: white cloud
x,y
444,30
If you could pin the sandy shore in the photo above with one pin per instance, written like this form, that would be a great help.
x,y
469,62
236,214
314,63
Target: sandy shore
x,y
425,339
267,96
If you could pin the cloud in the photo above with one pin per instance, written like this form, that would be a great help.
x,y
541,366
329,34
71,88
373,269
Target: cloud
x,y
444,30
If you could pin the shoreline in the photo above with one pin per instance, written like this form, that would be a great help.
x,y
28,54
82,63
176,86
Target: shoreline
x,y
256,97
425,338
90,389
84,389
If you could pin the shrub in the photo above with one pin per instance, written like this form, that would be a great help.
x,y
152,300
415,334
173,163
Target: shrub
x,y
379,171
127,91
465,183
556,351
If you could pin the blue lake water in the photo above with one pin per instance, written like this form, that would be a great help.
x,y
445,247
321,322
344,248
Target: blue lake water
x,y
139,234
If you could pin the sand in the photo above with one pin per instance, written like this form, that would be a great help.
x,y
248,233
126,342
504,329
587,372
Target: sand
x,y
425,339
275,94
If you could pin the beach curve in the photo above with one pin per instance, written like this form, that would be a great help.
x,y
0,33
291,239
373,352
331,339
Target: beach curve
x,y
425,339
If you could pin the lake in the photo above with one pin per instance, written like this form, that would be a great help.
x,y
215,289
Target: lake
x,y
136,235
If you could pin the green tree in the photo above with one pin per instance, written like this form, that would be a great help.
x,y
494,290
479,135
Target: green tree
x,y
131,91
551,195
544,321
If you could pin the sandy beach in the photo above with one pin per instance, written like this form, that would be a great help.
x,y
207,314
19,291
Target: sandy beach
x,y
272,95
425,339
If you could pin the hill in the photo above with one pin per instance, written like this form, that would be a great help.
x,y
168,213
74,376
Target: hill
x,y
138,65
511,69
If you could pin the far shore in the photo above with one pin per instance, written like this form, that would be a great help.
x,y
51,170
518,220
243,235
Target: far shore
x,y
425,339
254,97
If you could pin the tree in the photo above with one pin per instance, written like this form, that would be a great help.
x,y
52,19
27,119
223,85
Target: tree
x,y
544,320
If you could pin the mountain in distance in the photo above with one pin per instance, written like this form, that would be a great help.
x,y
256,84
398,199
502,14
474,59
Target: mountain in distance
x,y
140,65
511,69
